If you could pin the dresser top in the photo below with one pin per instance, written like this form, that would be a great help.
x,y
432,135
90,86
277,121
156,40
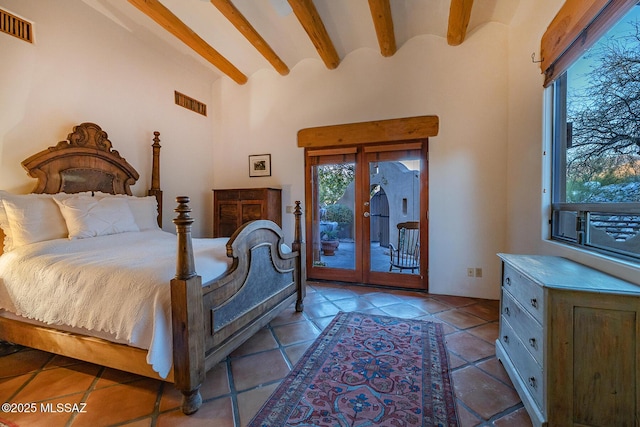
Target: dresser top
x,y
561,273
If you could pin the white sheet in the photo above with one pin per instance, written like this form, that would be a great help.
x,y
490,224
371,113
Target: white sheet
x,y
117,284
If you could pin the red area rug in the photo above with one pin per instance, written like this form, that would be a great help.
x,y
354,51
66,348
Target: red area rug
x,y
367,370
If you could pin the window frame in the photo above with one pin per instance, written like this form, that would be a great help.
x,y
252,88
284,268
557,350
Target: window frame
x,y
583,211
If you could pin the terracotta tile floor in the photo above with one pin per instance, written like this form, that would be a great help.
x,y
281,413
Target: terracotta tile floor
x,y
236,389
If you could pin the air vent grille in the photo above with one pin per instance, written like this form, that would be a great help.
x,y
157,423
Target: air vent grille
x,y
15,26
190,103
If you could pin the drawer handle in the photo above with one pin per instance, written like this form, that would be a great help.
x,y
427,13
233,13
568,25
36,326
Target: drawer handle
x,y
533,343
532,382
507,311
508,281
506,339
534,303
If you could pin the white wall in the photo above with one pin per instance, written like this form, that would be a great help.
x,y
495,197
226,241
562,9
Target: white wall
x,y
529,131
466,86
84,67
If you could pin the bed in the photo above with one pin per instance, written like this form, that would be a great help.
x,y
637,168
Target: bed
x,y
80,249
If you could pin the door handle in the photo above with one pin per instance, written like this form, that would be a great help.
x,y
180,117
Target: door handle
x,y
366,214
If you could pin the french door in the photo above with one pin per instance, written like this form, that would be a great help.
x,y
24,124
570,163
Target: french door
x,y
366,214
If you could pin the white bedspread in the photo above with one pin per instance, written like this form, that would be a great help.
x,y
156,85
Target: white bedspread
x,y
117,284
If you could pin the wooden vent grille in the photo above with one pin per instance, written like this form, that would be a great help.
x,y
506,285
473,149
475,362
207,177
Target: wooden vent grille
x,y
190,103
15,26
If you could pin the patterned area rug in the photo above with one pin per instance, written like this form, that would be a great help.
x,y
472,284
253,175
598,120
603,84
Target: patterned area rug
x,y
367,370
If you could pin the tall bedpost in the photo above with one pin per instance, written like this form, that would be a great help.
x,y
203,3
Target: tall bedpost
x,y
155,176
301,267
187,316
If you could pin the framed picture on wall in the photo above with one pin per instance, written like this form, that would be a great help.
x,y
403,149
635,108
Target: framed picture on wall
x,y
260,165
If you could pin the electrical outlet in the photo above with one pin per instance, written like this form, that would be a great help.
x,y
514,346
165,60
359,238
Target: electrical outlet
x,y
478,272
289,209
470,272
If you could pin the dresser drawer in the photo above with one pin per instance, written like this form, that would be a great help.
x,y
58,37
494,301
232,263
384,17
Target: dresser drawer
x,y
527,368
524,326
526,292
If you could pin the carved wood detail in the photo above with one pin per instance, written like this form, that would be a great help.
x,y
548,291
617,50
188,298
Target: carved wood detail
x,y
88,149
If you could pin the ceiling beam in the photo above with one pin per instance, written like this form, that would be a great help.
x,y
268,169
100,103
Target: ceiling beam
x,y
246,29
383,23
459,15
308,16
167,20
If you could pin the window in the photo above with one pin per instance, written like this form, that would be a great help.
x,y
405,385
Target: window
x,y
596,145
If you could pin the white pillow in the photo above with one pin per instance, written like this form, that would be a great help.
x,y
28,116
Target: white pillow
x,y
144,209
4,224
88,216
30,218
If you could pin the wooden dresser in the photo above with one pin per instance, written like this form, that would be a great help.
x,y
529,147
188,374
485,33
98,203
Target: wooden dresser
x,y
570,342
234,207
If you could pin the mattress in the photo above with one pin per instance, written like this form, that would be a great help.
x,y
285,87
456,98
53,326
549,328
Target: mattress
x,y
114,287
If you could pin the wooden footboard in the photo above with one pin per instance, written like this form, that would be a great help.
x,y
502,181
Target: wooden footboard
x,y
211,321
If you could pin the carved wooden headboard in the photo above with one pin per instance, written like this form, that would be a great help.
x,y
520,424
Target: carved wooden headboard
x,y
85,162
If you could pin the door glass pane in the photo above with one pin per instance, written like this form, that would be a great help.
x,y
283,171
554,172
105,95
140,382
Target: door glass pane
x,y
333,218
394,208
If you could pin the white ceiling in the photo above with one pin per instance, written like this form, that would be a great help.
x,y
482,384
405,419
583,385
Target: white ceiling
x,y
348,23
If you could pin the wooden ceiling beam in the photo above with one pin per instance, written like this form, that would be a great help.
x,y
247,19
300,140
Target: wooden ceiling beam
x,y
227,8
383,23
167,20
308,16
459,15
